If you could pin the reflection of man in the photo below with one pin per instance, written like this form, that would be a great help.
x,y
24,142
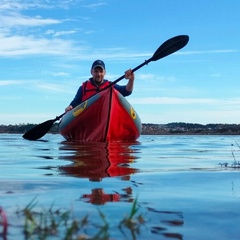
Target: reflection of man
x,y
98,197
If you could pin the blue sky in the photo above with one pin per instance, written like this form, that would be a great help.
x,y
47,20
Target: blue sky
x,y
47,48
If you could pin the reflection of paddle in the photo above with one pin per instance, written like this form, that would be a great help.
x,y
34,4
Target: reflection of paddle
x,y
168,47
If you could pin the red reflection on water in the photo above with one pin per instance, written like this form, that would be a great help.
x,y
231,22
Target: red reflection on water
x,y
98,160
99,197
4,223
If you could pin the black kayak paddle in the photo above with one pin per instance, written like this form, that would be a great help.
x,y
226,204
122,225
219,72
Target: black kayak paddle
x,y
41,129
168,47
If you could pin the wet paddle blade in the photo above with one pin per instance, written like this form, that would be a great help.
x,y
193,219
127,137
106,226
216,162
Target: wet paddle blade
x,y
170,46
39,131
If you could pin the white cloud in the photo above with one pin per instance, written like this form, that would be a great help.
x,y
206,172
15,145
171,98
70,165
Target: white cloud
x,y
185,101
61,74
11,82
191,116
95,5
16,39
19,118
13,5
60,33
52,87
21,45
208,52
155,78
15,20
17,5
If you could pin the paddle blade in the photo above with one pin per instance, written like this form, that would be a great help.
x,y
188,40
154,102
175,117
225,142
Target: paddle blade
x,y
39,131
170,46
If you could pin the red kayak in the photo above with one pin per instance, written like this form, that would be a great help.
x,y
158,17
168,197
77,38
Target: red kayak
x,y
106,116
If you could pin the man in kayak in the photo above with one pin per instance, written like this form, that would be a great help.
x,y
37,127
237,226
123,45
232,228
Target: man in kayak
x,y
97,82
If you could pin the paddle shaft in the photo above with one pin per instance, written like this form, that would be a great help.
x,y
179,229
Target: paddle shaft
x,y
133,70
168,47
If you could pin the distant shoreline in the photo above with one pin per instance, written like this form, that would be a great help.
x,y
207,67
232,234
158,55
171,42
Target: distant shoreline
x,y
176,128
180,128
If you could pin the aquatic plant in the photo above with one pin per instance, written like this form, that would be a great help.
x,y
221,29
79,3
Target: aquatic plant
x,y
235,164
132,222
41,223
50,222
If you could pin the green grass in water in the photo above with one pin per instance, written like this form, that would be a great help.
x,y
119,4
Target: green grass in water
x,y
47,223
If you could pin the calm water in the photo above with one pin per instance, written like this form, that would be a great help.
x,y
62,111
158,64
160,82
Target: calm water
x,y
183,191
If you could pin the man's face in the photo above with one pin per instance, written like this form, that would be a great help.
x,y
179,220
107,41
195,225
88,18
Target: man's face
x,y
98,74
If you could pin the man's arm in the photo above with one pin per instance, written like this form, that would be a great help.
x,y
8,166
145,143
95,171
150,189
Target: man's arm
x,y
129,74
76,101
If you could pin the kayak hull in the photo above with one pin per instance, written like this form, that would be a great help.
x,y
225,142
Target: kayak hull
x,y
106,116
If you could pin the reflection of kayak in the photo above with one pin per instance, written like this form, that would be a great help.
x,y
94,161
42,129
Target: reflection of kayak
x,y
106,116
98,160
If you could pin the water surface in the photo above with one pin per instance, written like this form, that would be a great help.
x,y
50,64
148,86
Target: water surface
x,y
187,186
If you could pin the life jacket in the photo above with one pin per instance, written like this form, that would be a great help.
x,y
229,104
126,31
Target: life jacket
x,y
89,89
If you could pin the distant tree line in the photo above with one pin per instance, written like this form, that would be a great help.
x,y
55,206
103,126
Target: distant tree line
x,y
150,129
191,128
22,128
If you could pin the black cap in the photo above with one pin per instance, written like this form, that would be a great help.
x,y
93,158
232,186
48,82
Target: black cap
x,y
98,63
